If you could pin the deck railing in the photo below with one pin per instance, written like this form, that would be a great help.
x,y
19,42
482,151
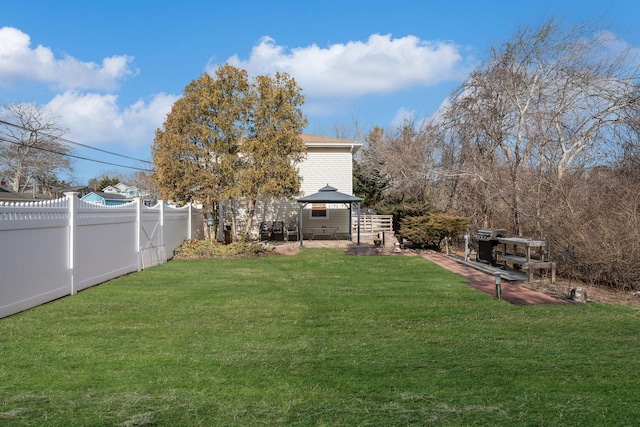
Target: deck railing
x,y
373,223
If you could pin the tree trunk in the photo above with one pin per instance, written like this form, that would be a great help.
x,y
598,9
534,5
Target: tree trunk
x,y
251,211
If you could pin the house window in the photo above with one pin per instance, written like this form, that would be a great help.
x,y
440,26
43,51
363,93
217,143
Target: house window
x,y
318,210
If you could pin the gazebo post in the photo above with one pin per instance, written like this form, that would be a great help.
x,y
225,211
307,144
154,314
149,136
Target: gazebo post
x,y
358,207
300,222
350,222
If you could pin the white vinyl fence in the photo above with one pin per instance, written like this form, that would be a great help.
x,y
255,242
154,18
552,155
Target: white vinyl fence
x,y
55,248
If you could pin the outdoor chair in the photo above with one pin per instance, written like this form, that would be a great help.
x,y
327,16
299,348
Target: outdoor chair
x,y
266,228
278,230
292,230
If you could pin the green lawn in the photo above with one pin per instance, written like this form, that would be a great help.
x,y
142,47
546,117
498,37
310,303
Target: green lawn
x,y
318,339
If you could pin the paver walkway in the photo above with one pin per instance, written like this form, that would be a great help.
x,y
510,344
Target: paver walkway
x,y
485,282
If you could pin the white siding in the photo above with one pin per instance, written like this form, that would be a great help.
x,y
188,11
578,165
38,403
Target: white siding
x,y
324,166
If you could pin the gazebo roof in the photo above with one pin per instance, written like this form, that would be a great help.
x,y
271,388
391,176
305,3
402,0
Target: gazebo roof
x,y
329,194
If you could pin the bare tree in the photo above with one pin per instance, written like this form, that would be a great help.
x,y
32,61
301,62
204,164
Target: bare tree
x,y
31,152
546,102
542,139
402,160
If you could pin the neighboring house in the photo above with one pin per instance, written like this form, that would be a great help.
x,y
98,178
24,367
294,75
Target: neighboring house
x,y
110,189
129,192
107,199
132,192
82,191
329,161
7,195
119,188
122,188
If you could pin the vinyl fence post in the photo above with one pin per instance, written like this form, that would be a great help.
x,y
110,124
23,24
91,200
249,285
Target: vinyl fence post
x,y
73,212
138,231
498,290
161,226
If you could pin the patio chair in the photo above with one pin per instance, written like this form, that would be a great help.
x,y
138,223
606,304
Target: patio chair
x,y
278,230
266,228
292,230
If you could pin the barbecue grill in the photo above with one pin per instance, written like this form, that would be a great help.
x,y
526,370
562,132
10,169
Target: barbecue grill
x,y
487,239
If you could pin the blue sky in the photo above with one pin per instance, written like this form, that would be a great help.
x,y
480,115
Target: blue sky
x,y
111,69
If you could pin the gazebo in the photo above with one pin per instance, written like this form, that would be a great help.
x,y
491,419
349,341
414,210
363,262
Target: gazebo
x,y
328,194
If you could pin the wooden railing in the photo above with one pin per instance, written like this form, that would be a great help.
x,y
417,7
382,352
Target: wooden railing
x,y
373,223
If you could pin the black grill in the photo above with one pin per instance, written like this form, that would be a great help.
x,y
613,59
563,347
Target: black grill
x,y
487,239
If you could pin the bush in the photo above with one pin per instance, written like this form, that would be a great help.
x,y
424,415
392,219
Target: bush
x,y
429,231
194,248
600,223
402,209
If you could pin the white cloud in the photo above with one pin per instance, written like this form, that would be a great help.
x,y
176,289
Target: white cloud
x,y
382,64
20,62
97,119
616,47
403,116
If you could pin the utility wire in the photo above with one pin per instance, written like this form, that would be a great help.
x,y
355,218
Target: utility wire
x,y
68,141
80,157
102,151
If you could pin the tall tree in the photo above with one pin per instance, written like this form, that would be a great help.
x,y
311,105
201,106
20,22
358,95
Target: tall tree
x,y
196,151
31,151
401,161
230,138
370,179
547,101
272,147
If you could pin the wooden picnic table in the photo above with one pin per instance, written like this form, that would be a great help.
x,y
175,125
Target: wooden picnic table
x,y
324,231
526,262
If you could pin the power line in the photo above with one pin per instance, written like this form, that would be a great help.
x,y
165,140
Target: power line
x,y
78,157
68,141
102,151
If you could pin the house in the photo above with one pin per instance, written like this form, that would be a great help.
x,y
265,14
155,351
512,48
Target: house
x,y
329,162
107,199
10,196
133,192
110,189
82,191
128,191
